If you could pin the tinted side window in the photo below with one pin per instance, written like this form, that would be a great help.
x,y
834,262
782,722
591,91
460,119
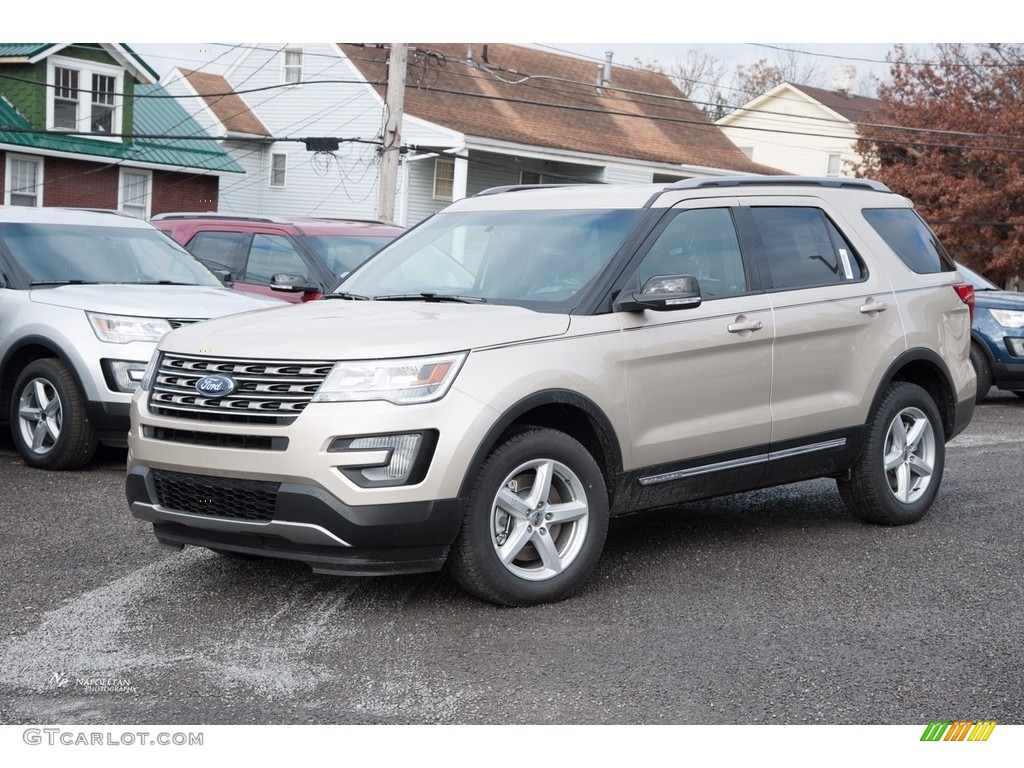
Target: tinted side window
x,y
912,240
221,250
804,248
700,242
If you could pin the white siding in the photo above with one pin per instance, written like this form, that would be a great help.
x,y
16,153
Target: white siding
x,y
794,134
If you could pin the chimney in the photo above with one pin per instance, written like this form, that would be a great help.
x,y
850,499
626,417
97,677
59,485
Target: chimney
x,y
606,77
469,53
842,79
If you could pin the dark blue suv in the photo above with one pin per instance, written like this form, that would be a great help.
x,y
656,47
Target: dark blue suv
x,y
997,336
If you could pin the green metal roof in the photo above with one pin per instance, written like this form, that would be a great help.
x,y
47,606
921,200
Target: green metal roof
x,y
156,113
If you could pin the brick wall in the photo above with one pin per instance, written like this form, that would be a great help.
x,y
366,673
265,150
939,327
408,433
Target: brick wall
x,y
184,192
81,184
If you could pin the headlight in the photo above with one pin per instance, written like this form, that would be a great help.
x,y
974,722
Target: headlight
x,y
403,381
1008,318
121,329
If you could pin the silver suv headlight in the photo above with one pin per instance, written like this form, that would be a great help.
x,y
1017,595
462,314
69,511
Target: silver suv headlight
x,y
122,329
401,381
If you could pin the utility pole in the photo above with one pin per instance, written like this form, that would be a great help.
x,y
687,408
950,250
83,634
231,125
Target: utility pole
x,y
389,154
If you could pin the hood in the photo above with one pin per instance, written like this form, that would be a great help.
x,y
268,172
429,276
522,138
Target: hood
x,y
178,301
335,329
999,299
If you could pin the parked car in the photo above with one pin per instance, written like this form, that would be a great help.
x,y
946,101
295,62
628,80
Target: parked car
x,y
84,297
997,336
489,388
296,259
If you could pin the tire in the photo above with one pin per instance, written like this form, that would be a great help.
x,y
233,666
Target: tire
x,y
48,421
512,549
900,467
982,370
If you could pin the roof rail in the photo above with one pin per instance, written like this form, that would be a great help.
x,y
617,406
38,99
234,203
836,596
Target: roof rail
x,y
521,187
215,215
834,182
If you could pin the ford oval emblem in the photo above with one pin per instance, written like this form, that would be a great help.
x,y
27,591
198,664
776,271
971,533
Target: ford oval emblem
x,y
215,386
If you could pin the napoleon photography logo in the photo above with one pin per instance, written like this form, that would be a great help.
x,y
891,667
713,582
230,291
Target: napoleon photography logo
x,y
85,684
958,730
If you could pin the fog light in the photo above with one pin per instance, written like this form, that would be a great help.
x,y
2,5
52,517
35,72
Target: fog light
x,y
1016,346
384,460
123,375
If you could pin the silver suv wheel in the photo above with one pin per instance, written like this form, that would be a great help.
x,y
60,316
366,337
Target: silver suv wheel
x,y
535,523
539,519
910,455
900,468
48,421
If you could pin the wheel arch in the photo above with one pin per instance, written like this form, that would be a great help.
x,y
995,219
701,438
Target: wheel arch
x,y
24,351
563,410
926,369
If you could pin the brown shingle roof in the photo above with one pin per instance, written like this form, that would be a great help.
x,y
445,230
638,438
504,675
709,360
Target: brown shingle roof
x,y
853,108
527,96
229,108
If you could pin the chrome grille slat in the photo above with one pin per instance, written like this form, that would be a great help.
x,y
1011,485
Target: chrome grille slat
x,y
272,391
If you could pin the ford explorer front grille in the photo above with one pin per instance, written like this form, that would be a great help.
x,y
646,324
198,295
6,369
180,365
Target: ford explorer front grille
x,y
265,392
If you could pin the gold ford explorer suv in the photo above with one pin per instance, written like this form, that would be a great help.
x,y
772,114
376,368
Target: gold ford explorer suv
x,y
488,389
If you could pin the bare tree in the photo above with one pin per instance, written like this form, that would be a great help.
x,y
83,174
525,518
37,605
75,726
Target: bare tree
x,y
699,76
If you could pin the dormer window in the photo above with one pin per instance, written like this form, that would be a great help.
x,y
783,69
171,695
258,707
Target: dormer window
x,y
85,96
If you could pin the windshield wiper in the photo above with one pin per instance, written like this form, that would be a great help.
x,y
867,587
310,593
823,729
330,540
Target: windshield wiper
x,y
63,282
432,297
346,296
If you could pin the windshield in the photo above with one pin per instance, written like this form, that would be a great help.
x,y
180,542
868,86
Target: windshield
x,y
61,253
540,259
343,253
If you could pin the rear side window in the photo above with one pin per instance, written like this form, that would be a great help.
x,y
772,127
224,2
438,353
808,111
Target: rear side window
x,y
803,248
912,240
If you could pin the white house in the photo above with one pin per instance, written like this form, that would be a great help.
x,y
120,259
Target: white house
x,y
475,116
801,130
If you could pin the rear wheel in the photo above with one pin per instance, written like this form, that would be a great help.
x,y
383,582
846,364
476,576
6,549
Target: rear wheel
x,y
899,471
48,420
982,370
536,521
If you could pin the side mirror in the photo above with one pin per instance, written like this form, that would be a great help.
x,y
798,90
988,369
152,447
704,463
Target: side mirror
x,y
662,293
224,276
293,284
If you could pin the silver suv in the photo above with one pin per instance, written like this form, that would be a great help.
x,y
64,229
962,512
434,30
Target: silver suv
x,y
84,297
486,391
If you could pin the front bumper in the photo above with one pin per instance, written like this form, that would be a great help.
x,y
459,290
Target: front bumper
x,y
293,521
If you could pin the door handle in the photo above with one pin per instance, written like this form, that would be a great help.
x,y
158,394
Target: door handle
x,y
747,325
873,306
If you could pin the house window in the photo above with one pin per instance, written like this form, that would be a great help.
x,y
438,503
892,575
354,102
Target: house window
x,y
834,163
135,192
24,181
103,100
85,96
65,98
529,177
293,65
278,169
444,178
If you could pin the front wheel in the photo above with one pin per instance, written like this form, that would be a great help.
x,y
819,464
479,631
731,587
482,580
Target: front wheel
x,y
899,471
48,420
536,521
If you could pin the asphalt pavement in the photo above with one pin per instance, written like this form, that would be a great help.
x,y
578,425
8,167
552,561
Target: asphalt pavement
x,y
766,607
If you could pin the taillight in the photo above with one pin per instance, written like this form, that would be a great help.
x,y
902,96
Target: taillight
x,y
966,293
